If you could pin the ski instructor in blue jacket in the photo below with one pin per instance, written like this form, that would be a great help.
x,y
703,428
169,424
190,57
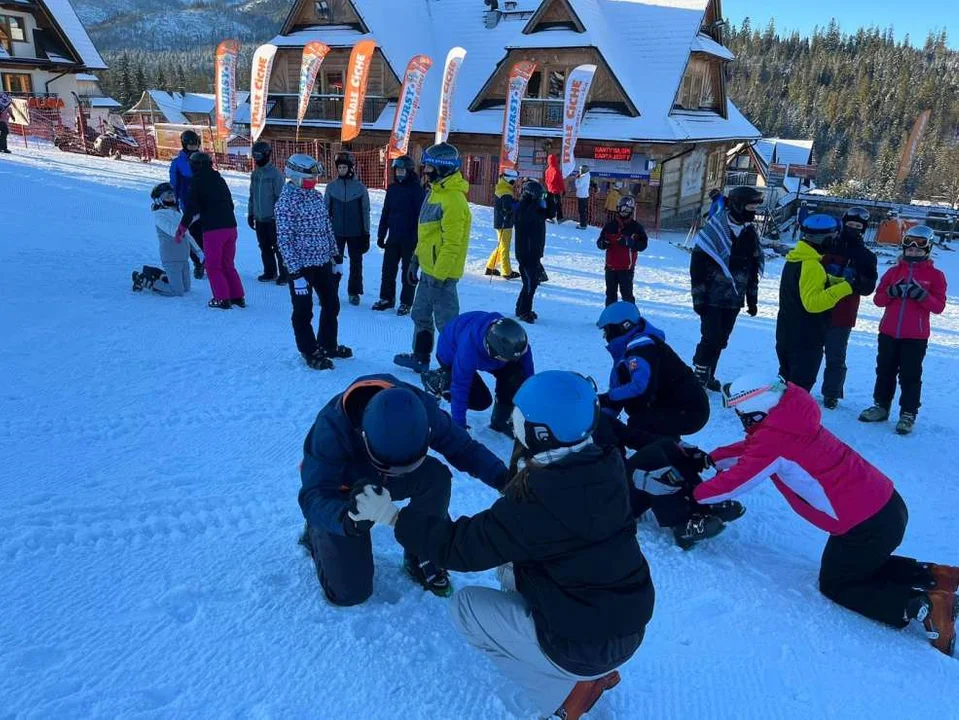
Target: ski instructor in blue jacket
x,y
181,178
379,431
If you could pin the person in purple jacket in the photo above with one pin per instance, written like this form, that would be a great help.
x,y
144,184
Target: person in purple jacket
x,y
181,178
481,341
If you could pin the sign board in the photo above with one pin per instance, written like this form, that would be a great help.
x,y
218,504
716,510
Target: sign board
x,y
806,172
608,152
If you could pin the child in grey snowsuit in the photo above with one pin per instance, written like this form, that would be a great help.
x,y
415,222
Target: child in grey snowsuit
x,y
174,279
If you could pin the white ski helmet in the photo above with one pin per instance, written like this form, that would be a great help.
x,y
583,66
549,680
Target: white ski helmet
x,y
753,396
302,167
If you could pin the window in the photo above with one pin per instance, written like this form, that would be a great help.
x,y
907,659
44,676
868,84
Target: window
x,y
12,30
700,89
5,45
17,83
536,83
333,82
557,84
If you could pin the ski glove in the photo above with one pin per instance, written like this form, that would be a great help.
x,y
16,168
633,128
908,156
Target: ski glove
x,y
413,274
251,221
916,292
301,286
850,275
699,460
338,266
751,308
375,505
602,243
834,269
896,291
664,481
381,243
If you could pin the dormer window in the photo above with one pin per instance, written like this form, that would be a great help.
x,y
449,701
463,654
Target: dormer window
x,y
702,87
322,10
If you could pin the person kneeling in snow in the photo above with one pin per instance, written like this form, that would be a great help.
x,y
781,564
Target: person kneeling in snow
x,y
577,595
830,485
484,341
379,431
663,400
174,279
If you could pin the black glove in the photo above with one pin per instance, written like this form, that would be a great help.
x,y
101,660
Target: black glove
x,y
696,459
623,241
751,308
699,309
381,243
413,274
366,242
602,243
915,291
896,291
251,221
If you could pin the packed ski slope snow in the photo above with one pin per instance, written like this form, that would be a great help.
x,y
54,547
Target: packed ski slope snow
x,y
148,480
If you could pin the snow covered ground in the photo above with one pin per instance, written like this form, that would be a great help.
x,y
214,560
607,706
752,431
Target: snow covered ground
x,y
148,480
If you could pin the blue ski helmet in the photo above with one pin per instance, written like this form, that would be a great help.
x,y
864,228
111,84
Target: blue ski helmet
x,y
555,409
820,230
396,431
618,319
443,158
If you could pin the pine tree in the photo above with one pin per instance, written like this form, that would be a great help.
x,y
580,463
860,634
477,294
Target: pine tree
x,y
128,93
140,80
160,81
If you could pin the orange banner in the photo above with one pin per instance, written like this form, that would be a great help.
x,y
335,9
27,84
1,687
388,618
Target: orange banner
x,y
226,57
912,145
408,104
354,90
515,91
313,54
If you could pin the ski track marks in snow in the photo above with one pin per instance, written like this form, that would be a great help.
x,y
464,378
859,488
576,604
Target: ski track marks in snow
x,y
148,455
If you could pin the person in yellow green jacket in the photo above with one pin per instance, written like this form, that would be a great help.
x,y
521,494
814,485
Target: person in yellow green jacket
x,y
807,295
444,232
503,209
613,196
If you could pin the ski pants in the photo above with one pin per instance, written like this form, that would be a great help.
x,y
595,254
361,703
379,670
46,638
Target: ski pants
x,y
397,256
219,249
499,623
500,256
269,252
323,282
357,247
196,232
800,356
554,207
436,303
530,273
716,325
176,280
834,376
508,381
860,572
4,131
344,564
582,204
621,282
902,358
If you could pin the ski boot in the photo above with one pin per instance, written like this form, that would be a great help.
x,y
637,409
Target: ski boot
x,y
585,694
437,382
264,278
354,299
728,510
137,282
907,421
283,279
219,304
403,310
697,528
413,362
492,272
340,351
239,302
875,413
704,374
513,276
380,305
430,577
830,403
501,419
318,360
149,276
527,318
937,611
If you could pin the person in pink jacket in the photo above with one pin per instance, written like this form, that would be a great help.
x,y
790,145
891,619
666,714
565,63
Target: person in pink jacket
x,y
910,291
833,487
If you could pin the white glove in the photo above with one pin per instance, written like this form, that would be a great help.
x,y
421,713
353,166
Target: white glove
x,y
301,286
657,482
375,505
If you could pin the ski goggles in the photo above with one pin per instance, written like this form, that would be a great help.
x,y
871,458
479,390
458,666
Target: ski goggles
x,y
391,470
917,242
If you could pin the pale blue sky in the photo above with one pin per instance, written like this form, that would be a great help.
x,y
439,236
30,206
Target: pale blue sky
x,y
917,17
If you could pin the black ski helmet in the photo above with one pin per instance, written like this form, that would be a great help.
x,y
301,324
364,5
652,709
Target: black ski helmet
x,y
262,152
344,158
820,231
856,215
443,158
534,189
405,162
396,431
200,161
506,340
738,202
188,139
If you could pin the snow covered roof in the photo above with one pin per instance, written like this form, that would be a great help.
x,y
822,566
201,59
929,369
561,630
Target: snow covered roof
x,y
780,151
66,18
646,44
174,106
103,102
705,44
87,77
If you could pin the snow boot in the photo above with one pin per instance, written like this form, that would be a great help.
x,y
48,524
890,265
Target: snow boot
x,y
697,528
527,318
340,351
411,361
283,279
437,382
830,403
728,510
704,374
354,299
239,302
219,304
937,611
585,694
875,413
945,577
430,577
264,278
381,305
513,276
501,418
492,272
907,421
198,271
403,310
137,281
318,360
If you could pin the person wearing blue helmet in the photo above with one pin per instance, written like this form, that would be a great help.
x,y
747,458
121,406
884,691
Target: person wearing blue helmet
x,y
576,592
379,430
807,295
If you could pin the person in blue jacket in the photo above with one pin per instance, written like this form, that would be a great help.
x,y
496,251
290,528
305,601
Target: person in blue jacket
x,y
717,202
481,341
181,178
379,431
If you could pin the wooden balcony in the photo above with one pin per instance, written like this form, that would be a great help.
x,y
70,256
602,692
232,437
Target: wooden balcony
x,y
535,112
323,107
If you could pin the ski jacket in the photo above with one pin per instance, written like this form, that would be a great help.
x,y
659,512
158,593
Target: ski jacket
x,y
856,260
582,185
303,233
166,221
555,184
806,295
648,374
462,348
530,232
181,175
710,286
905,318
568,529
824,480
716,206
266,184
612,200
348,203
444,229
623,240
401,212
503,206
335,458
211,200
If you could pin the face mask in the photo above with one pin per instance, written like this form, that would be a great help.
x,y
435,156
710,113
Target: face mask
x,y
430,174
262,160
309,185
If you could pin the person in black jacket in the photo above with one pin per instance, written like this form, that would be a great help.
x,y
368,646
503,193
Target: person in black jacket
x,y
530,227
577,594
724,274
397,234
379,430
348,203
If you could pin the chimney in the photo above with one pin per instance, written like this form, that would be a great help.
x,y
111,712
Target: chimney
x,y
493,15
